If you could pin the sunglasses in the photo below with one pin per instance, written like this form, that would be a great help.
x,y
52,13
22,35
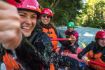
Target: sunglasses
x,y
102,39
46,16
67,36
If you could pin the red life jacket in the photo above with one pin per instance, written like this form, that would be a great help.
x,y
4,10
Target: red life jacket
x,y
52,34
97,58
10,63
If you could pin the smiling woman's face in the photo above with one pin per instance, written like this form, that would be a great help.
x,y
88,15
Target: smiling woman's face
x,y
101,42
45,19
28,22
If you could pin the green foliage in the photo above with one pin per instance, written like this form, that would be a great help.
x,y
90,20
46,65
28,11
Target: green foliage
x,y
97,18
74,10
64,10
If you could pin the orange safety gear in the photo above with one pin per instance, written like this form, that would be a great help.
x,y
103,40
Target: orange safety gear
x,y
10,63
52,67
97,58
52,34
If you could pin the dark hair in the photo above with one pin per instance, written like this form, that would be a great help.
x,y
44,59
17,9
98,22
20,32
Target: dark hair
x,y
38,14
96,40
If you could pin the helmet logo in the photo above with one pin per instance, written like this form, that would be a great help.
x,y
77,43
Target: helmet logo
x,y
25,4
46,12
29,6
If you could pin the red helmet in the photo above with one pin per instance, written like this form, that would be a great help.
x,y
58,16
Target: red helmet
x,y
47,11
100,34
26,4
74,33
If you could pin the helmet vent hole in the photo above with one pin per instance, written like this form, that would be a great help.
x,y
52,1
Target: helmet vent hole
x,y
18,1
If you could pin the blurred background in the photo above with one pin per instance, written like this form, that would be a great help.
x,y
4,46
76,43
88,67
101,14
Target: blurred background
x,y
84,13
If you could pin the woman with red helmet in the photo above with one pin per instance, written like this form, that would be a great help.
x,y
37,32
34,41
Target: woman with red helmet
x,y
95,51
33,51
47,27
10,33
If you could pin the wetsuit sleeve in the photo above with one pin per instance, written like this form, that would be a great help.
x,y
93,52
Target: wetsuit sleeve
x,y
103,55
28,55
25,49
85,50
48,47
2,52
44,46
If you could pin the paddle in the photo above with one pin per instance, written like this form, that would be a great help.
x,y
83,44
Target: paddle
x,y
93,62
96,63
63,39
59,39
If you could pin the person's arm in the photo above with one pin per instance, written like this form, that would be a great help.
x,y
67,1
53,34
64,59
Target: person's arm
x,y
62,42
47,48
103,55
42,43
85,50
10,34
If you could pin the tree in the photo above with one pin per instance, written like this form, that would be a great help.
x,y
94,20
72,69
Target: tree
x,y
95,14
64,10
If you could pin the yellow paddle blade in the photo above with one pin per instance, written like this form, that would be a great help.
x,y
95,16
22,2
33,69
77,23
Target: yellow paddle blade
x,y
83,44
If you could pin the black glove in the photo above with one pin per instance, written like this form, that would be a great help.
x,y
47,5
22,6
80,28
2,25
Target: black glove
x,y
72,49
79,56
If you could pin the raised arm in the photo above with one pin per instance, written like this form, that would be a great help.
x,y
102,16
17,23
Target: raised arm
x,y
10,34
